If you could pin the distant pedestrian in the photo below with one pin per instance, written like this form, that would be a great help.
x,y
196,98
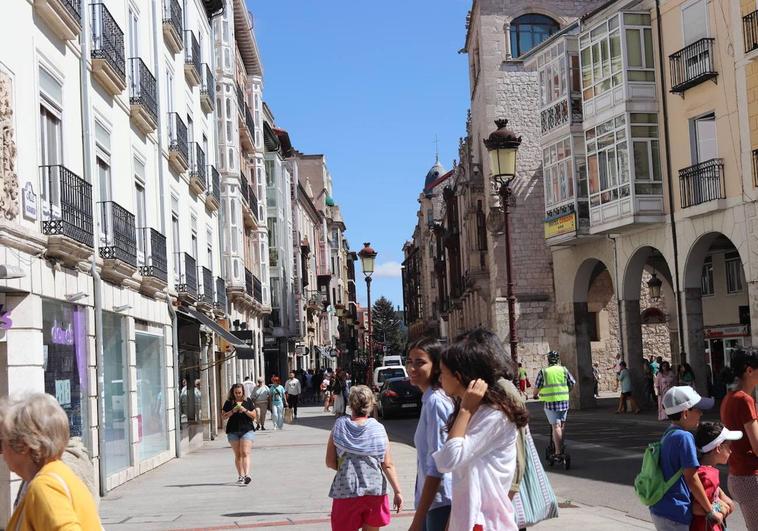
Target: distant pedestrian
x,y
625,397
326,392
523,380
433,494
338,389
481,450
664,381
649,382
359,450
249,386
309,387
686,376
655,365
277,403
293,388
34,433
261,398
239,413
739,413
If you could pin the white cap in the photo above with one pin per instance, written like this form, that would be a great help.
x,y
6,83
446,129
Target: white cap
x,y
683,397
725,435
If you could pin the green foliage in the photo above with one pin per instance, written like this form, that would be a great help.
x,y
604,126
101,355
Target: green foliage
x,y
387,328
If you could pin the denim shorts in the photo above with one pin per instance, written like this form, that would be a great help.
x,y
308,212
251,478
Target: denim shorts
x,y
245,436
553,417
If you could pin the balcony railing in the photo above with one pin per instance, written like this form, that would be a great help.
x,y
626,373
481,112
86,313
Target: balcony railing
x,y
197,162
252,200
702,182
71,197
119,237
248,282
187,274
108,40
240,100
750,31
74,7
249,122
206,275
208,85
221,294
156,263
214,183
244,189
142,88
257,290
172,14
177,135
192,51
692,65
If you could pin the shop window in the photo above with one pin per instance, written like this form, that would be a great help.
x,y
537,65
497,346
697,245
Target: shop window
x,y
152,428
117,451
64,339
733,267
706,279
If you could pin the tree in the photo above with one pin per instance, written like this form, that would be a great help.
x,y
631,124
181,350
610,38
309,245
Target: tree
x,y
386,327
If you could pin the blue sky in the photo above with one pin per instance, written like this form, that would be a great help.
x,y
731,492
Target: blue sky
x,y
369,84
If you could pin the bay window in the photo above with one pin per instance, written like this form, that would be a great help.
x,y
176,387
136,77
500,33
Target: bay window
x,y
558,172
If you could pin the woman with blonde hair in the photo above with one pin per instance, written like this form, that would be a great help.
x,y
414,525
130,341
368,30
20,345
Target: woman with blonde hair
x,y
34,433
359,450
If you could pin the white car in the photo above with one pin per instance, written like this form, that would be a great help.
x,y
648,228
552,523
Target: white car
x,y
388,371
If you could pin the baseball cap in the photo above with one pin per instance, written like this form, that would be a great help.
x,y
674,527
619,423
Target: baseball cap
x,y
683,397
725,435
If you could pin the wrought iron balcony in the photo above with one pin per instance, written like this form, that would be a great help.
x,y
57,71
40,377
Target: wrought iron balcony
x,y
119,237
750,31
207,89
197,168
692,65
62,16
192,61
244,189
257,289
187,274
108,60
240,100
221,303
213,198
71,210
206,291
247,130
248,282
702,182
142,95
252,200
249,122
172,25
155,261
178,147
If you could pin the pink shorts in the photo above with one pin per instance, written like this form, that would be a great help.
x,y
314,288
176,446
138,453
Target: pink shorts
x,y
351,514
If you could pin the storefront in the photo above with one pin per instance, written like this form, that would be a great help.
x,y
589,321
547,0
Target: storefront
x,y
64,338
721,342
190,364
117,455
152,423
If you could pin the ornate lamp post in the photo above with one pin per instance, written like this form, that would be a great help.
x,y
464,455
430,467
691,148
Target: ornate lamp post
x,y
368,258
502,146
654,287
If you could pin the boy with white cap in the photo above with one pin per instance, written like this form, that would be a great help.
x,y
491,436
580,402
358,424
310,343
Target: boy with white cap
x,y
684,407
712,440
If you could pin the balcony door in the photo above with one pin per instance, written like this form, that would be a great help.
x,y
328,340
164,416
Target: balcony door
x,y
704,133
104,184
140,218
694,28
51,143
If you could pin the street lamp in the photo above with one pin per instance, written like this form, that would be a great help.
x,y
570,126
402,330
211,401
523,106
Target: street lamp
x,y
368,258
654,287
503,145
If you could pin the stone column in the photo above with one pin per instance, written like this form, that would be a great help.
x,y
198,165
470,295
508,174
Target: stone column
x,y
582,368
694,340
631,334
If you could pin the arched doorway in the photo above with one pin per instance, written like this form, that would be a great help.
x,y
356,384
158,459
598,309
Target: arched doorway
x,y
717,310
649,317
596,328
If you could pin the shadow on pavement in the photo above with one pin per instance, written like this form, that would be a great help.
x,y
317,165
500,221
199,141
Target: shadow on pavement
x,y
186,485
244,515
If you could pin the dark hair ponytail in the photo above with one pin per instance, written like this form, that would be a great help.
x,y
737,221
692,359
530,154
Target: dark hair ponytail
x,y
433,349
740,361
480,354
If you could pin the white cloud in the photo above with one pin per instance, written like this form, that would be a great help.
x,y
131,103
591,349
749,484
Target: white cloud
x,y
388,270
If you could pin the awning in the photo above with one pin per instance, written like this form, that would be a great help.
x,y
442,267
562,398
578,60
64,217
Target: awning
x,y
244,352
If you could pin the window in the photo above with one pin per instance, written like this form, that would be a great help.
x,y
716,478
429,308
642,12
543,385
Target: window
x,y
209,243
195,253
175,235
608,161
169,90
270,178
527,31
733,267
645,149
103,164
703,131
51,140
558,172
694,21
639,47
271,223
140,215
133,24
706,279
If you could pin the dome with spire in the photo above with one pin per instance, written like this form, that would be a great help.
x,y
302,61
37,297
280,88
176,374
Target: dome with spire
x,y
433,174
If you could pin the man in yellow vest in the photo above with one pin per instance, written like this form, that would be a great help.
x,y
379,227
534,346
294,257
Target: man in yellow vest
x,y
552,386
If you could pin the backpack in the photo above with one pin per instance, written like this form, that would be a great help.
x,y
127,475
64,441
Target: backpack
x,y
650,485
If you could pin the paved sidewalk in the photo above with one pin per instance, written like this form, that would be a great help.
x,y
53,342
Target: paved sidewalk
x,y
289,489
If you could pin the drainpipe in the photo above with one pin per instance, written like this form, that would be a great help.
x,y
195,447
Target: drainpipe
x,y
672,220
84,94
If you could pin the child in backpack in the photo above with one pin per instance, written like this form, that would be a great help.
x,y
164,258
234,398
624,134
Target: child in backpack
x,y
712,440
673,512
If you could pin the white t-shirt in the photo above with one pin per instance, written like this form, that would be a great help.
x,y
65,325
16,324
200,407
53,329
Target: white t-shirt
x,y
292,387
249,386
482,463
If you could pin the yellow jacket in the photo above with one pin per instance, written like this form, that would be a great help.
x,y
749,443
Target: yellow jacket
x,y
56,500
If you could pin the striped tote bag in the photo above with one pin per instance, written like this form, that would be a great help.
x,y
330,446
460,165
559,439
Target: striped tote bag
x,y
535,500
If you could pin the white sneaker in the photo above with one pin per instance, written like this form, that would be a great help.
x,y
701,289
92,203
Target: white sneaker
x,y
240,479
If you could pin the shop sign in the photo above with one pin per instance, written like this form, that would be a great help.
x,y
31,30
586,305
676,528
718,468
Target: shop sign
x,y
62,334
29,200
560,225
727,331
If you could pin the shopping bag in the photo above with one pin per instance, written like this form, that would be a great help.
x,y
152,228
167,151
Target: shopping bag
x,y
289,416
535,500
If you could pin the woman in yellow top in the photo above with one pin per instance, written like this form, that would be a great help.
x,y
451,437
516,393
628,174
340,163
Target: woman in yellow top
x,y
33,435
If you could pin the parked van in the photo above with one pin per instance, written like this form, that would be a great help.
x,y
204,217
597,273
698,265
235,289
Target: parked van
x,y
384,372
